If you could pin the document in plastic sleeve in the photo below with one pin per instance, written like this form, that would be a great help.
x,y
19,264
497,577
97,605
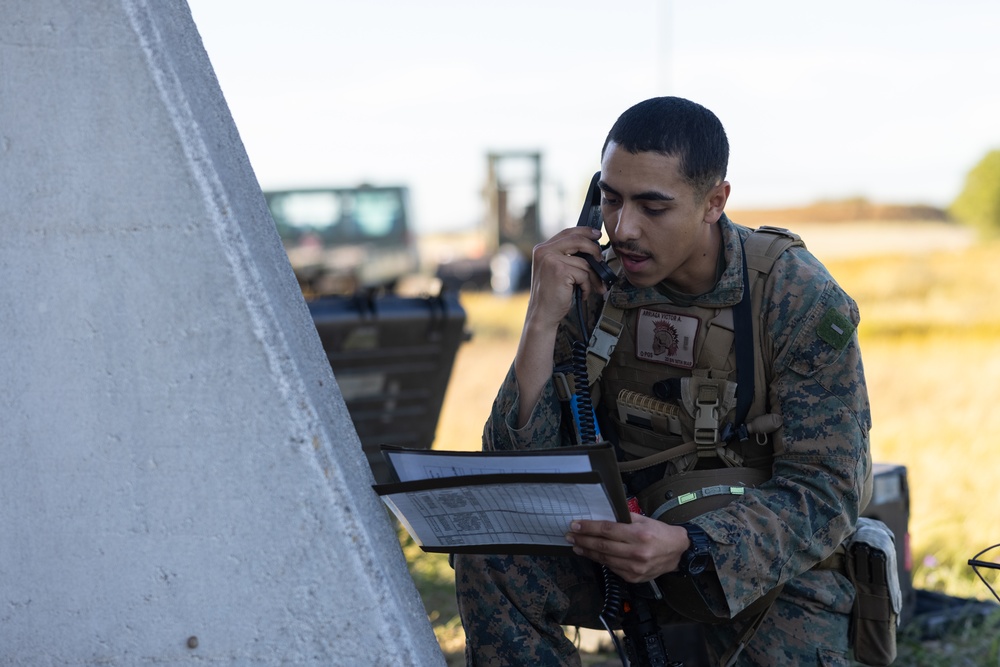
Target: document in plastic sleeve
x,y
501,502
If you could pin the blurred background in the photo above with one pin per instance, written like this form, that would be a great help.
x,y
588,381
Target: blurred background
x,y
893,101
871,128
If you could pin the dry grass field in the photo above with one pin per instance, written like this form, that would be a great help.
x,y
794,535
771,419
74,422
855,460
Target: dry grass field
x,y
930,334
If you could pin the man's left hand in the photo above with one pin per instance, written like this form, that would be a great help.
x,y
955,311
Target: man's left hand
x,y
638,551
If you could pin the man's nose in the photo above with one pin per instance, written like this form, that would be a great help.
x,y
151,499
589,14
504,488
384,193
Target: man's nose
x,y
627,224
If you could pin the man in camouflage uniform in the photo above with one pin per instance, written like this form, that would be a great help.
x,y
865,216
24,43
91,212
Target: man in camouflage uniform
x,y
663,192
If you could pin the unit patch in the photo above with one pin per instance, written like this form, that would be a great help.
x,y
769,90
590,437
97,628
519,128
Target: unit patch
x,y
666,338
835,329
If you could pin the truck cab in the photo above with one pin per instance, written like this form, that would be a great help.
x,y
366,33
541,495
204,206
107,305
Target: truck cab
x,y
341,240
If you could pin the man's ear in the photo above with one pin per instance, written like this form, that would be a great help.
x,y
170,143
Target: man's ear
x,y
715,202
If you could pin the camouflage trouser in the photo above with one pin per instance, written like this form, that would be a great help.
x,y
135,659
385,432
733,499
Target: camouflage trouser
x,y
513,609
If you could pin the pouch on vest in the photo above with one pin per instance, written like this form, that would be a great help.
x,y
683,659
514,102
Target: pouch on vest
x,y
871,567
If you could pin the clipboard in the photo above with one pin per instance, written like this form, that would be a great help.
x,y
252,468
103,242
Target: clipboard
x,y
509,502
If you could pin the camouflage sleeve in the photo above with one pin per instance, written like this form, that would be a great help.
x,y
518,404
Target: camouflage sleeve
x,y
543,426
811,503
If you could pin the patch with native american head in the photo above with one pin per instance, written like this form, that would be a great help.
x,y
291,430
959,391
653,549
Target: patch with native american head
x,y
666,338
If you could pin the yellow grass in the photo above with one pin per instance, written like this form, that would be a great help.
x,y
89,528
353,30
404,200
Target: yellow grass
x,y
930,337
931,343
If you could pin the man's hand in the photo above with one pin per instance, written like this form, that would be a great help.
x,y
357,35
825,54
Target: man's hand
x,y
638,551
555,274
556,271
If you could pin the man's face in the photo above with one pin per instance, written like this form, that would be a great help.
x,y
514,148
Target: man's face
x,y
658,225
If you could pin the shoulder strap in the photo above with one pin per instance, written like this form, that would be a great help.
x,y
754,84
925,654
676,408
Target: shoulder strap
x,y
761,250
765,245
604,339
743,331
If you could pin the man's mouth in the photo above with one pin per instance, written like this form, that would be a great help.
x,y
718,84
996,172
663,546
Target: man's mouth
x,y
631,260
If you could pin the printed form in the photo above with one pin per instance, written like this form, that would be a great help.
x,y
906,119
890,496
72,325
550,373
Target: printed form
x,y
497,502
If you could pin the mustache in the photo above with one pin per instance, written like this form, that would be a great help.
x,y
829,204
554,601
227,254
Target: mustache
x,y
630,247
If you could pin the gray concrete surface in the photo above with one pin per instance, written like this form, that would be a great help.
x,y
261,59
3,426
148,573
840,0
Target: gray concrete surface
x,y
180,482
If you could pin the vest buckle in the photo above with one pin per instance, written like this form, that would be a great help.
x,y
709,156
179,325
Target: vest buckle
x,y
706,419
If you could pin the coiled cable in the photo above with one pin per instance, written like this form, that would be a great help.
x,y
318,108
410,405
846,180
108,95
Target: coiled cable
x,y
614,599
585,406
611,613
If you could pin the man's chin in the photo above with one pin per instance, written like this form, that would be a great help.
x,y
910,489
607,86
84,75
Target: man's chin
x,y
641,280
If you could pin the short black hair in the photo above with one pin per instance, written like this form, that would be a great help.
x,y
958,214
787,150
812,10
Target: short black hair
x,y
680,128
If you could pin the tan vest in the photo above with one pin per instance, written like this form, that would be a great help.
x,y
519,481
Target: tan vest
x,y
672,395
671,390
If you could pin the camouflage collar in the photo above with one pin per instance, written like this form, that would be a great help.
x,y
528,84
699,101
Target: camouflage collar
x,y
727,292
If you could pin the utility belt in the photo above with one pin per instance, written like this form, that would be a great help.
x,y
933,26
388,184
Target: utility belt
x,y
681,497
678,491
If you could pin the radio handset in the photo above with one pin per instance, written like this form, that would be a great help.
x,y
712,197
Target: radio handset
x,y
590,216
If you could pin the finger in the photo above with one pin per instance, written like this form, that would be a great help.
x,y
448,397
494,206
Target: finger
x,y
599,548
625,568
612,530
559,274
560,260
584,276
570,241
592,546
600,555
589,233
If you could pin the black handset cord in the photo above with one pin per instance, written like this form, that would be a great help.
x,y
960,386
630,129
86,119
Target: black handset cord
x,y
646,651
585,405
611,612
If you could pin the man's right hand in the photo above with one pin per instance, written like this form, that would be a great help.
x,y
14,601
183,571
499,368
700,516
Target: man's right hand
x,y
555,273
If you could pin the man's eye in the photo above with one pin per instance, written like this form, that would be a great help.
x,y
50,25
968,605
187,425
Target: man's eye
x,y
608,201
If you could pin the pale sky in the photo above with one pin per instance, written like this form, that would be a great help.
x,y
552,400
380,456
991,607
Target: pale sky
x,y
889,99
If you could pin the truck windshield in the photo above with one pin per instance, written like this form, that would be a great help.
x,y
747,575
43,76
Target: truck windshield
x,y
339,216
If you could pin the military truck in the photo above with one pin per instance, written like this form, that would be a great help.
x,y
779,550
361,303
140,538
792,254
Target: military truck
x,y
342,240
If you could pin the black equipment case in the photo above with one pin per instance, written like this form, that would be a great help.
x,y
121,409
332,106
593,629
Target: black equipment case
x,y
392,357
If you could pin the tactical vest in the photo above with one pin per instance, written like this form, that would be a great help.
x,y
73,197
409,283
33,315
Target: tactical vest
x,y
673,399
671,392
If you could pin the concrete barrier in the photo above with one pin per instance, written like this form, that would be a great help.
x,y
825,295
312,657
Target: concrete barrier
x,y
179,479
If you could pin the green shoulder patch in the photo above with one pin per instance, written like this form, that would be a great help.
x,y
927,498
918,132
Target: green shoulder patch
x,y
835,329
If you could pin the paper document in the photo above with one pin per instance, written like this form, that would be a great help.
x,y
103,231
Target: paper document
x,y
501,502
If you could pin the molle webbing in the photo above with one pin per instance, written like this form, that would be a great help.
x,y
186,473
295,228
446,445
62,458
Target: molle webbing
x,y
718,340
765,245
648,412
